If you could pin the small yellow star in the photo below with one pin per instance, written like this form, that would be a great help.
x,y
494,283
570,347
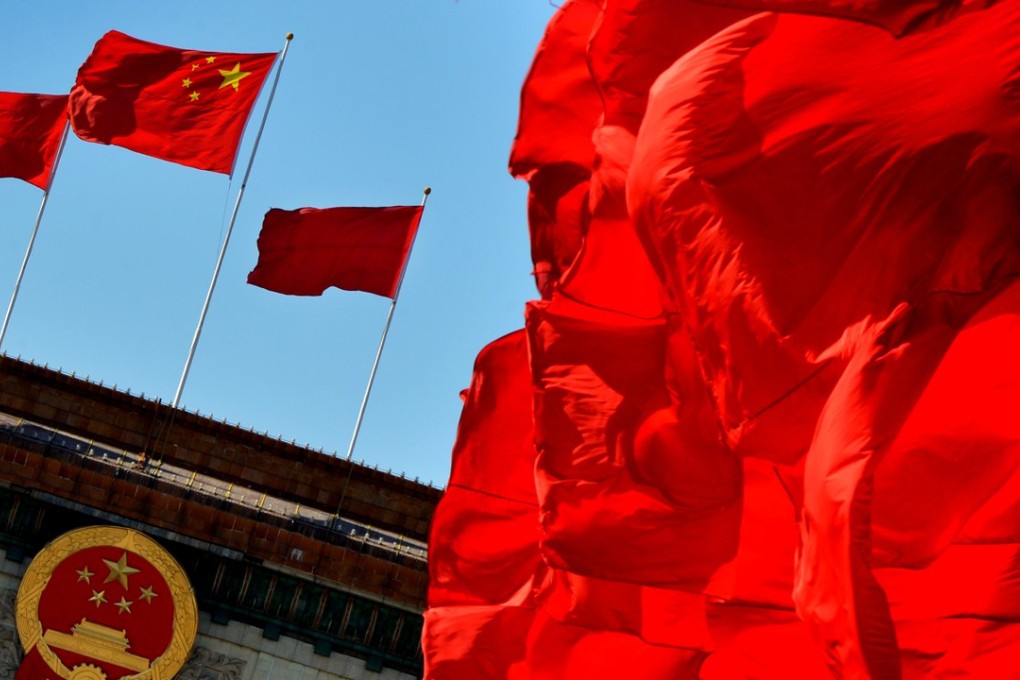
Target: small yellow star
x,y
98,596
233,76
84,574
193,96
194,67
210,60
186,82
119,571
148,594
124,606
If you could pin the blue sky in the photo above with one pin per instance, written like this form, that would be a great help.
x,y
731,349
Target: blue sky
x,y
377,99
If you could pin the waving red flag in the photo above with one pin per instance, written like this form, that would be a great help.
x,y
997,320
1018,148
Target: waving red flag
x,y
896,16
305,251
30,130
184,106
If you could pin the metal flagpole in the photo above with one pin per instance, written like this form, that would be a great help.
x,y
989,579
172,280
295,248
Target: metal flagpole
x,y
382,340
230,228
35,232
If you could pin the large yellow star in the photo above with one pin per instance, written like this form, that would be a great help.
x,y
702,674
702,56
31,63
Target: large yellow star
x,y
119,571
233,76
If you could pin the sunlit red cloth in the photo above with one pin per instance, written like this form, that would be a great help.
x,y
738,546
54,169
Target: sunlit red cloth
x,y
834,212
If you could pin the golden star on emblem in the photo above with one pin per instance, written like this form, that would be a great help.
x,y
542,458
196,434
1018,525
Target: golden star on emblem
x,y
233,76
98,596
84,574
124,605
148,594
119,571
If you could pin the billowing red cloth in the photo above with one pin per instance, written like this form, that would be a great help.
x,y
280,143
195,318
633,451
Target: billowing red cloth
x,y
483,544
552,149
636,40
184,106
31,126
833,212
603,424
306,251
896,16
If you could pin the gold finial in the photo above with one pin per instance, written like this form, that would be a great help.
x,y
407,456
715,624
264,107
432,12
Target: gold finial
x,y
428,190
290,36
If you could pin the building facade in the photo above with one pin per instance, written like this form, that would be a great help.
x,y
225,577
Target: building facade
x,y
304,566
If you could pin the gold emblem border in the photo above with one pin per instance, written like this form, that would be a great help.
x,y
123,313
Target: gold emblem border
x,y
39,571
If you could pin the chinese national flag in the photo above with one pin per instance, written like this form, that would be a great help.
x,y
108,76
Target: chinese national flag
x,y
305,251
183,106
30,130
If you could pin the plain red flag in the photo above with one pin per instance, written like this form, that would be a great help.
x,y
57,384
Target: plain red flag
x,y
184,106
30,129
305,251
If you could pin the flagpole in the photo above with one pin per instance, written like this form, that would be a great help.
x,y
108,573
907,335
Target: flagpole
x,y
382,340
230,229
35,232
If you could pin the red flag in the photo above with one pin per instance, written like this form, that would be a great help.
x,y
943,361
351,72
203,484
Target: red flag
x,y
553,150
184,106
896,16
831,207
483,554
305,251
30,130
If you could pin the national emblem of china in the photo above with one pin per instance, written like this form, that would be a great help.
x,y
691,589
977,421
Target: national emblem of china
x,y
105,603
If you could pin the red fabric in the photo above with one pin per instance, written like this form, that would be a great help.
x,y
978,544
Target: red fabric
x,y
484,535
30,129
833,213
483,544
553,149
184,106
896,16
605,434
305,251
636,40
559,103
562,652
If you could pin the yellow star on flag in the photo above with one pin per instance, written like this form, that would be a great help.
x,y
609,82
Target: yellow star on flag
x,y
186,82
210,60
233,76
194,67
98,596
124,605
84,574
193,96
148,594
119,571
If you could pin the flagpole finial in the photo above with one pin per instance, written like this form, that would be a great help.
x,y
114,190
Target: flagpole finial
x,y
290,36
428,190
